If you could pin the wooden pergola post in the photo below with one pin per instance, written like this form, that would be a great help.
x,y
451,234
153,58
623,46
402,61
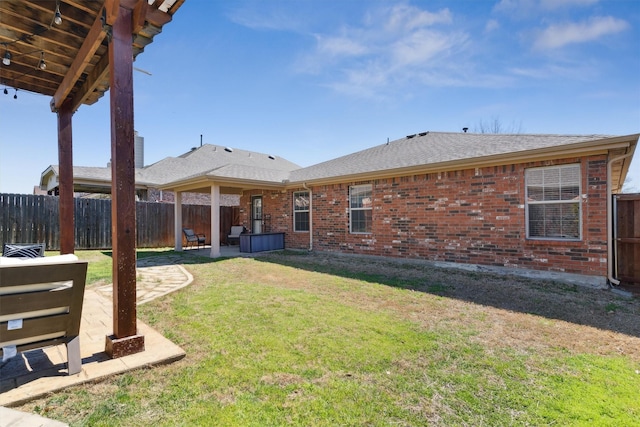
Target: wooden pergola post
x,y
125,339
65,165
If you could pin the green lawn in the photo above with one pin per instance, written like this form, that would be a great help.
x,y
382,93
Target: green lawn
x,y
274,343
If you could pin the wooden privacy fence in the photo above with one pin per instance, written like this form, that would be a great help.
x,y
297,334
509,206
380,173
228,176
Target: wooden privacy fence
x,y
628,237
35,219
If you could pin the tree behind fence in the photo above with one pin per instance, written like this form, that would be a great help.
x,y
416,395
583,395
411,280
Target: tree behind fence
x,y
27,218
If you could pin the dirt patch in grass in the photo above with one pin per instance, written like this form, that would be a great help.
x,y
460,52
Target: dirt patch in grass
x,y
524,314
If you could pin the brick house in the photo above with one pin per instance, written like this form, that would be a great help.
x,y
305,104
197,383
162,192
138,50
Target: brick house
x,y
522,202
531,203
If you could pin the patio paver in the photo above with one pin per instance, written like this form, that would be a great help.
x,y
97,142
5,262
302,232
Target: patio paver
x,y
36,373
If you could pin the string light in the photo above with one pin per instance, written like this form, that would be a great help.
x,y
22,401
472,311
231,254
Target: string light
x,y
15,96
42,65
57,17
6,92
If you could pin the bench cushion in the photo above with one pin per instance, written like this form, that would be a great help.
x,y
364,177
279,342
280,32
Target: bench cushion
x,y
56,259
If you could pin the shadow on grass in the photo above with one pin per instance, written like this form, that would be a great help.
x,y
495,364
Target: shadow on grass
x,y
158,257
551,299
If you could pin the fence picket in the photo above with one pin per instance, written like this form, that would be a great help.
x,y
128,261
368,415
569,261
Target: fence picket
x,y
27,218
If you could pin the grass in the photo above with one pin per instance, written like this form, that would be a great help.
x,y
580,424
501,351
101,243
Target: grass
x,y
101,262
277,343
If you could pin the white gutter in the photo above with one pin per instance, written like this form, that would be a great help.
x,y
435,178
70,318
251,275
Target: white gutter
x,y
610,238
304,185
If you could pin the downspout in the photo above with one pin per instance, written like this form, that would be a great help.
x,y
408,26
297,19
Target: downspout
x,y
304,185
610,239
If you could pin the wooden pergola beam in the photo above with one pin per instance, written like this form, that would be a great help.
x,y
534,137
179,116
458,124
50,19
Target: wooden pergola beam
x,y
141,13
91,43
94,79
139,16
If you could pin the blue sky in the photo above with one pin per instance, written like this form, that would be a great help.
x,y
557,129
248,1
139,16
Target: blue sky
x,y
311,80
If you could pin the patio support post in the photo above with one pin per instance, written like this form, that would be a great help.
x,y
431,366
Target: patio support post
x,y
65,165
178,221
215,221
125,340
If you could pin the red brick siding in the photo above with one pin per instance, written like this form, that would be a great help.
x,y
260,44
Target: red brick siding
x,y
474,216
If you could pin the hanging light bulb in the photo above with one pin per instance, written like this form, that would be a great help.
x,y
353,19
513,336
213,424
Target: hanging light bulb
x,y
6,60
58,16
6,92
42,65
15,96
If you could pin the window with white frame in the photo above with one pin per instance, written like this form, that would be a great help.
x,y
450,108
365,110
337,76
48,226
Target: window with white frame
x,y
301,211
360,204
553,206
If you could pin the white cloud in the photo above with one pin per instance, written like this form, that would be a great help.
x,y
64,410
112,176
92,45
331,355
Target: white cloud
x,y
553,71
393,46
527,6
273,18
340,46
406,18
423,45
491,25
559,35
557,4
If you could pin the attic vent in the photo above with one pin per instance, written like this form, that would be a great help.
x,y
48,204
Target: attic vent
x,y
228,149
423,133
272,157
411,136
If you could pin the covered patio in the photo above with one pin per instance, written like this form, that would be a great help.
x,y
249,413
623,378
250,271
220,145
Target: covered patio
x,y
74,51
229,171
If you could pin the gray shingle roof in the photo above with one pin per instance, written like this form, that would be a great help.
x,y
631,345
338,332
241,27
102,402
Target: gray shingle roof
x,y
431,148
215,161
426,150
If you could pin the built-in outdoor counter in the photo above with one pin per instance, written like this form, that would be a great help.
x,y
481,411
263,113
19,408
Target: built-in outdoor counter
x,y
261,242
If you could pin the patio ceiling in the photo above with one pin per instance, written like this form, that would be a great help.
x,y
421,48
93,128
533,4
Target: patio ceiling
x,y
74,51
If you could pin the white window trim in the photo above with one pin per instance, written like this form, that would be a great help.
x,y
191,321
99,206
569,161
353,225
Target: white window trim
x,y
351,209
299,211
545,202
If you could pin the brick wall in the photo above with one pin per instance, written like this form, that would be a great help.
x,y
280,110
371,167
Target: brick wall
x,y
474,216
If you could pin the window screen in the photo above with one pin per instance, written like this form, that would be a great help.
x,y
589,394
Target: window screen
x,y
301,211
553,202
360,204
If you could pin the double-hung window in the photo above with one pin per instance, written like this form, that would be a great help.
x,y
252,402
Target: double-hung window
x,y
360,208
301,211
553,206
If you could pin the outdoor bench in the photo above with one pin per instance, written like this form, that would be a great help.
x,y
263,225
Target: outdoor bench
x,y
41,305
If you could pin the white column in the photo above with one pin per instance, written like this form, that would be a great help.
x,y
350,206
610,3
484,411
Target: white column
x,y
215,221
177,207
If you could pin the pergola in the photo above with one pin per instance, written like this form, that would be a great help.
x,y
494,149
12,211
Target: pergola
x,y
74,51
